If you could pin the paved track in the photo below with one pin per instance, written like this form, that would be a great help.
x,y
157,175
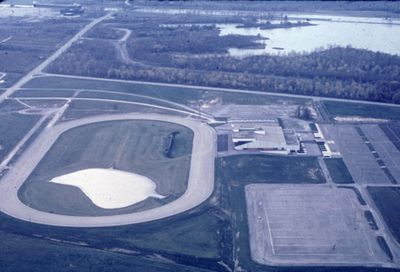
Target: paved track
x,y
200,183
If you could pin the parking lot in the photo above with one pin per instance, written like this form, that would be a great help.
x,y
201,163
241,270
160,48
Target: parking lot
x,y
309,225
385,148
358,158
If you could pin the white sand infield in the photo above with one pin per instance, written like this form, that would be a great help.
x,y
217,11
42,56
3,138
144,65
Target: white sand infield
x,y
110,188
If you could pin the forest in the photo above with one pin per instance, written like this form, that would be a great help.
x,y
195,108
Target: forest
x,y
182,49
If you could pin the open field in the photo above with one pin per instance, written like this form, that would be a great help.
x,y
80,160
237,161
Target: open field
x,y
181,95
131,146
13,128
30,254
44,93
358,158
86,108
245,169
343,109
297,225
338,171
387,199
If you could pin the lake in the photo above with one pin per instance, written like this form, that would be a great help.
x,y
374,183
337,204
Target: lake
x,y
376,34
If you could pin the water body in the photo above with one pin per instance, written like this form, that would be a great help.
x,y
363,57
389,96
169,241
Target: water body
x,y
376,34
28,11
110,188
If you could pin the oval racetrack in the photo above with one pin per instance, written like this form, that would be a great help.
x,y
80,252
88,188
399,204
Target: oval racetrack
x,y
200,183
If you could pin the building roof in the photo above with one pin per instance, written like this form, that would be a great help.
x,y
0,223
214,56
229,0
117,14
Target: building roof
x,y
262,137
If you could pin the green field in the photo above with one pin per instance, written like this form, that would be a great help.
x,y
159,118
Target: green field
x,y
181,95
13,127
78,109
245,169
387,199
132,146
43,93
339,109
194,240
338,170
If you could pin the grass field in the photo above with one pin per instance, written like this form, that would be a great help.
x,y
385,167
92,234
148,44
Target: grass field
x,y
387,199
43,93
13,128
187,242
338,170
336,109
132,146
181,95
79,109
245,169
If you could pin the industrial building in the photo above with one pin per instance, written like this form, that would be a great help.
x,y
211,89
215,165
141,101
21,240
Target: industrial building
x,y
264,135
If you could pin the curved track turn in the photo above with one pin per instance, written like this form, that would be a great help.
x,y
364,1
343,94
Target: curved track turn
x,y
200,183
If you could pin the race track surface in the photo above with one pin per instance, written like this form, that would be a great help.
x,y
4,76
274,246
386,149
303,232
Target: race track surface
x,y
200,183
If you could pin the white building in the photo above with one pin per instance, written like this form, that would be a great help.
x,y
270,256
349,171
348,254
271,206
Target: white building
x,y
264,136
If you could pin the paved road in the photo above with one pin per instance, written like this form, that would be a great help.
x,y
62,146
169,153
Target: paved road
x,y
200,183
38,69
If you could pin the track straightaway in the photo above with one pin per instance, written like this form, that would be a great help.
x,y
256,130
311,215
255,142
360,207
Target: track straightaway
x,y
200,183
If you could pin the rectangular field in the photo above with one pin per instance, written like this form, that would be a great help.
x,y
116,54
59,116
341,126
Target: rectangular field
x,y
343,109
387,200
358,158
309,225
338,171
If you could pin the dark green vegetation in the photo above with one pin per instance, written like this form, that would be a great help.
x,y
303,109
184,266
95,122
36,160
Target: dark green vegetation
x,y
187,49
13,127
244,169
132,146
339,109
190,242
387,199
338,170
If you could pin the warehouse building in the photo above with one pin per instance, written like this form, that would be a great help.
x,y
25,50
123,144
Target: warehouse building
x,y
264,135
